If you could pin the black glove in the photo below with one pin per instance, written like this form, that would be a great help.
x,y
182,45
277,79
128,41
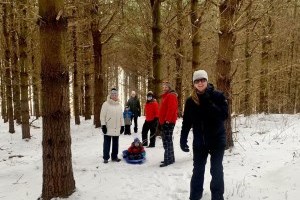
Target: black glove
x,y
104,129
184,147
122,130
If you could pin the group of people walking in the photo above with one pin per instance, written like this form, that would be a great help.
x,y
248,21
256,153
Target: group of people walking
x,y
205,112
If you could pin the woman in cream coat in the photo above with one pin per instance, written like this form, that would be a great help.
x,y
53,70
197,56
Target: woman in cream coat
x,y
112,124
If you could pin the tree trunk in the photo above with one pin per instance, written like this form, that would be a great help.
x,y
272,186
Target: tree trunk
x,y
246,107
87,80
156,46
179,55
35,73
196,37
15,67
133,82
98,77
76,78
265,62
292,73
24,69
58,179
3,99
227,10
98,70
8,77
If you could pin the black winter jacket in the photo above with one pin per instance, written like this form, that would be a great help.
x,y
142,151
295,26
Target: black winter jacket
x,y
207,120
134,106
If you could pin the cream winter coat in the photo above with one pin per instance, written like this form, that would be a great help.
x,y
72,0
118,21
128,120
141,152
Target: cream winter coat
x,y
111,115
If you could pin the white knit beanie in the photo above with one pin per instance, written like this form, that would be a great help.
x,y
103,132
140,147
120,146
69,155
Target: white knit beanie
x,y
199,74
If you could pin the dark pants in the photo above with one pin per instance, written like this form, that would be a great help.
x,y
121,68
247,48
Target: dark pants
x,y
216,171
149,125
127,130
106,147
167,139
135,123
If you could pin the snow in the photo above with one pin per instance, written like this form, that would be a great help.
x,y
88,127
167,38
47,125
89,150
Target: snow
x,y
264,164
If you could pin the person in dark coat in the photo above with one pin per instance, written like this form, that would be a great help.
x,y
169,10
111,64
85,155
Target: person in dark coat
x,y
167,118
135,107
151,120
205,111
127,114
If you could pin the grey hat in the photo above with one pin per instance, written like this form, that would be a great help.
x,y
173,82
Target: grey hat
x,y
200,74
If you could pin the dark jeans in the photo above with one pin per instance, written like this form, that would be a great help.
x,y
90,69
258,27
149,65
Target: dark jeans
x,y
216,171
106,147
135,123
167,139
149,125
127,130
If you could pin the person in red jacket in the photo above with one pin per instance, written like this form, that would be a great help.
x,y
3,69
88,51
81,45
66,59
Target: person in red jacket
x,y
151,121
136,151
167,118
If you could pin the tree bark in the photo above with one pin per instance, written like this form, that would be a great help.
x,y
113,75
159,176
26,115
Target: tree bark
x,y
58,179
265,63
156,46
87,80
35,73
292,72
15,67
98,68
227,10
179,55
76,78
3,99
246,109
8,77
196,37
24,69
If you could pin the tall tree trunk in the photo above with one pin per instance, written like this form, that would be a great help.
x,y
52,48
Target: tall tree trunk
x,y
87,80
156,46
76,77
227,10
58,179
23,5
98,68
8,77
133,81
3,100
179,55
292,73
196,37
246,109
35,73
15,67
265,62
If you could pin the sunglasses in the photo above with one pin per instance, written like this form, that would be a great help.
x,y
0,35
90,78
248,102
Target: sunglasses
x,y
202,80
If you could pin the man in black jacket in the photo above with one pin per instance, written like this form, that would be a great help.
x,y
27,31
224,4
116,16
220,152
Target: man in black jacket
x,y
135,107
205,110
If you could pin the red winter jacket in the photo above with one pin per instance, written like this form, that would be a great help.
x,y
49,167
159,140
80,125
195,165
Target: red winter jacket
x,y
136,150
151,110
168,108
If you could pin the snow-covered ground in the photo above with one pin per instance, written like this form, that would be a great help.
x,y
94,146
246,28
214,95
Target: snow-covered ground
x,y
264,164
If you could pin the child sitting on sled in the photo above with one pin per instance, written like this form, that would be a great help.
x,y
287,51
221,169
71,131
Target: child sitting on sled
x,y
136,151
